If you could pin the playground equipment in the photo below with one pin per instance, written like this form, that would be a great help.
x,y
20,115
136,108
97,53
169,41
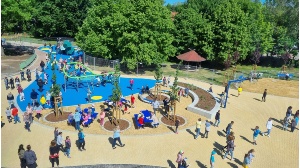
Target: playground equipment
x,y
78,77
239,80
67,48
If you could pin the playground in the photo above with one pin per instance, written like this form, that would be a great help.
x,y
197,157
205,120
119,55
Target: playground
x,y
245,110
78,80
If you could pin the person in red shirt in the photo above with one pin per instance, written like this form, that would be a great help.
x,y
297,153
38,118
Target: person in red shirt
x,y
14,113
132,101
141,121
131,83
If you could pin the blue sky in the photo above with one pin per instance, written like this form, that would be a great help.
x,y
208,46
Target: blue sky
x,y
175,1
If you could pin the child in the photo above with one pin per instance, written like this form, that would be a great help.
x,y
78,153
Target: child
x,y
8,114
212,159
246,162
22,96
68,146
126,109
177,121
48,96
239,90
55,133
43,101
46,78
255,135
132,101
210,88
251,155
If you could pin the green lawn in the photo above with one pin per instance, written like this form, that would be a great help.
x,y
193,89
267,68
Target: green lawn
x,y
30,39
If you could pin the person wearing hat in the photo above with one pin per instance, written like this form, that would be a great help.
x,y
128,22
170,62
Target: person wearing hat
x,y
179,158
81,140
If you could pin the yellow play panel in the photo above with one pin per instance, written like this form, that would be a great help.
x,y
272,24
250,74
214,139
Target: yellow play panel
x,y
96,97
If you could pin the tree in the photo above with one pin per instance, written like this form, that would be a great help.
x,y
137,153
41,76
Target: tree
x,y
132,31
15,15
256,57
116,94
158,75
58,18
174,91
193,31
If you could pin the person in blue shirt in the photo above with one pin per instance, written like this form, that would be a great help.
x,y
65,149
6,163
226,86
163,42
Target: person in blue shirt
x,y
207,129
116,137
78,108
77,117
81,140
246,161
255,135
212,159
187,90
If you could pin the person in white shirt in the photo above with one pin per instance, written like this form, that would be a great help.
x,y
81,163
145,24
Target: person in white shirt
x,y
98,81
155,105
59,140
269,127
154,119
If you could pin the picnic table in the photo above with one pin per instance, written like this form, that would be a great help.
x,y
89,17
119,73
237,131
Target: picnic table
x,y
147,115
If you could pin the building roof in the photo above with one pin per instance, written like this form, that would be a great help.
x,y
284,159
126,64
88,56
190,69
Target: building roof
x,y
191,56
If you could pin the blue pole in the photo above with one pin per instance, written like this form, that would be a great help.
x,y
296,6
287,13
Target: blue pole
x,y
229,82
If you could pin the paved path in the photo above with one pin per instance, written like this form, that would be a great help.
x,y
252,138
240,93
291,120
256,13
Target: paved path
x,y
281,150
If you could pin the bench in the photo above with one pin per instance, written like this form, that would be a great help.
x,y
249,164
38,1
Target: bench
x,y
282,75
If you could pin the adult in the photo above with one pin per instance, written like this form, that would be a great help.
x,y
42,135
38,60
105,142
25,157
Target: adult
x,y
207,129
17,81
89,95
59,141
116,137
179,158
12,83
27,122
166,104
251,155
147,89
8,114
55,133
102,116
246,162
10,98
293,125
222,99
217,119
269,127
19,89
28,74
164,81
78,108
33,96
210,88
230,136
68,146
155,105
198,127
81,140
132,100
131,82
169,80
77,117
40,83
177,121
255,134
186,92
263,98
6,83
30,157
154,119
29,110
229,127
230,149
212,159
54,153
285,123
21,152
289,112
14,112
296,114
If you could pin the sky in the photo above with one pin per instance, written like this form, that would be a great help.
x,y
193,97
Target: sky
x,y
176,1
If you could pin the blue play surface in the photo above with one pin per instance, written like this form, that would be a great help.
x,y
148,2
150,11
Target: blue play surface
x,y
72,96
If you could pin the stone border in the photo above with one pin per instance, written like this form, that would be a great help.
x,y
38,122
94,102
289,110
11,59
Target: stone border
x,y
192,107
121,130
185,121
44,119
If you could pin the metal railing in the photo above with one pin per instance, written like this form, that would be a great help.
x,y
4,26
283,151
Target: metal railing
x,y
27,62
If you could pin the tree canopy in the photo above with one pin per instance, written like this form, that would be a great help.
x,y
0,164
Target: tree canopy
x,y
132,31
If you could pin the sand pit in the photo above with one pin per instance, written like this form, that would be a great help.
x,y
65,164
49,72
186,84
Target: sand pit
x,y
275,87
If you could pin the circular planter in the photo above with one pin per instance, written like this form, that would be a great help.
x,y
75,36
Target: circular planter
x,y
123,123
51,118
164,120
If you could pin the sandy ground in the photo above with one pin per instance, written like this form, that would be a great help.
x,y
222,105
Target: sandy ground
x,y
159,147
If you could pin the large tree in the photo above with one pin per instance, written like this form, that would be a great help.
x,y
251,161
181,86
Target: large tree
x,y
15,15
130,30
193,31
58,18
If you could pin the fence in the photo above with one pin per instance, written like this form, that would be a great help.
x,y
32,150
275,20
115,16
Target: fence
x,y
96,63
27,62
